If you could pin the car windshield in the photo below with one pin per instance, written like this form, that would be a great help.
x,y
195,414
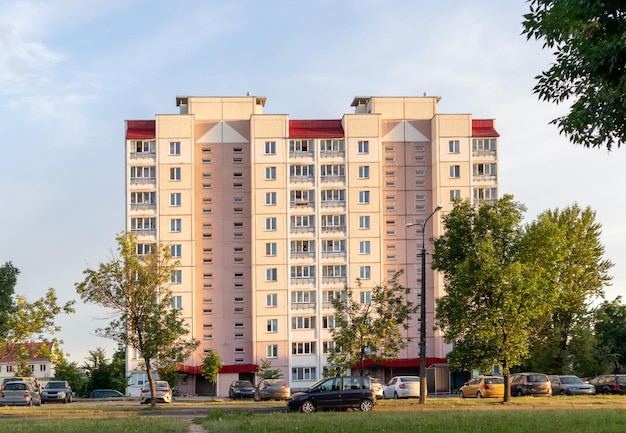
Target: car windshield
x,y
621,379
55,385
410,379
316,383
537,378
15,386
494,380
571,380
243,384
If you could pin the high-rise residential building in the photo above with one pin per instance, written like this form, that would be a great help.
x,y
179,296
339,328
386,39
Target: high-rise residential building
x,y
272,217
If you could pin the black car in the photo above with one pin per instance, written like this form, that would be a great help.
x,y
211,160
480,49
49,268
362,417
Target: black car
x,y
609,383
241,389
340,392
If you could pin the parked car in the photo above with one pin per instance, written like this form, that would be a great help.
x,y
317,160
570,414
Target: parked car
x,y
106,393
19,378
20,393
402,387
272,389
609,383
530,384
57,390
377,387
570,385
241,389
483,386
162,392
340,392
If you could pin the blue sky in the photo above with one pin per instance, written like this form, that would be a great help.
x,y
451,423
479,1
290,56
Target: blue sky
x,y
72,71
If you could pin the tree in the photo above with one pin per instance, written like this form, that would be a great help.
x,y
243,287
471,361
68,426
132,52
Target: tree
x,y
137,289
267,372
495,286
211,365
69,371
104,374
369,328
22,321
589,42
577,280
610,329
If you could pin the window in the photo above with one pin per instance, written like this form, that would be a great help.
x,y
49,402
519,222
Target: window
x,y
175,173
364,222
177,302
327,346
302,272
271,274
455,194
270,173
364,147
364,247
272,351
305,348
303,322
303,297
365,272
272,325
454,146
174,147
270,249
237,160
271,300
364,172
175,199
366,297
270,148
455,171
270,223
420,173
143,200
142,174
270,198
144,249
176,225
303,373
328,322
176,250
485,193
364,197
237,199
143,225
177,276
485,169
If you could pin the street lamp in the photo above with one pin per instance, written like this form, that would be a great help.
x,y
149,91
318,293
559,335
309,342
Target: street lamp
x,y
423,379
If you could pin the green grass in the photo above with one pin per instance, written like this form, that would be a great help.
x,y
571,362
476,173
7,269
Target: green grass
x,y
96,425
427,421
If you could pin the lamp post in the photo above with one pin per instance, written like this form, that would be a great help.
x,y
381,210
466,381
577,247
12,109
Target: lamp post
x,y
423,379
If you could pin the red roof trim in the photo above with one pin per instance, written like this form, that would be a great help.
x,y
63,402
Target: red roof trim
x,y
237,368
140,129
484,128
315,129
33,349
397,363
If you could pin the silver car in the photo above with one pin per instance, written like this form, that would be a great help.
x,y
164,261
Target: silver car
x,y
570,385
402,387
20,393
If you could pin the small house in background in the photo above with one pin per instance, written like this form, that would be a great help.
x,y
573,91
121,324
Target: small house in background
x,y
38,360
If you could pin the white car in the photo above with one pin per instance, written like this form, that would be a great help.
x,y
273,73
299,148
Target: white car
x,y
163,392
402,387
377,387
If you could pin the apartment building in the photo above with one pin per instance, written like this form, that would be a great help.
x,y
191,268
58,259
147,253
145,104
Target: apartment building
x,y
271,217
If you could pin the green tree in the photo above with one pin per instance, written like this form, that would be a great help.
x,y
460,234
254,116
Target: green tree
x,y
137,289
495,286
211,365
69,371
369,328
267,372
22,321
610,329
588,38
577,280
104,374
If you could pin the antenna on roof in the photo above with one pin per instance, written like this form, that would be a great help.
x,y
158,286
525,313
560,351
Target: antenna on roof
x,y
248,94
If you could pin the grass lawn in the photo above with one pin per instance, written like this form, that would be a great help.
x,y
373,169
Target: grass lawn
x,y
95,425
606,420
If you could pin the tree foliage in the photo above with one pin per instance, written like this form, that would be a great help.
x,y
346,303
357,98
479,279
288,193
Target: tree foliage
x,y
22,321
211,365
610,329
578,278
137,289
267,372
104,374
589,42
370,330
495,285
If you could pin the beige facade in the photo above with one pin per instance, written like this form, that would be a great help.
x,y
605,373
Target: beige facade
x,y
271,217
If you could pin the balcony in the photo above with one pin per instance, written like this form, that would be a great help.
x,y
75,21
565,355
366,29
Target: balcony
x,y
333,203
302,229
302,305
337,178
302,280
302,154
333,153
302,254
142,180
333,254
138,206
333,229
301,204
142,155
300,179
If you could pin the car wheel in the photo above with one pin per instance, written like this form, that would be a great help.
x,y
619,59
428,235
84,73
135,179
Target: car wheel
x,y
256,397
39,402
461,395
520,393
366,405
479,395
395,395
307,407
30,402
562,392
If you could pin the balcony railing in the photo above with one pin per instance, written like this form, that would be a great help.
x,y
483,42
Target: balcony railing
x,y
333,229
302,254
301,154
329,254
301,204
135,206
333,153
295,179
300,229
302,305
333,203
302,280
338,178
137,180
136,155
